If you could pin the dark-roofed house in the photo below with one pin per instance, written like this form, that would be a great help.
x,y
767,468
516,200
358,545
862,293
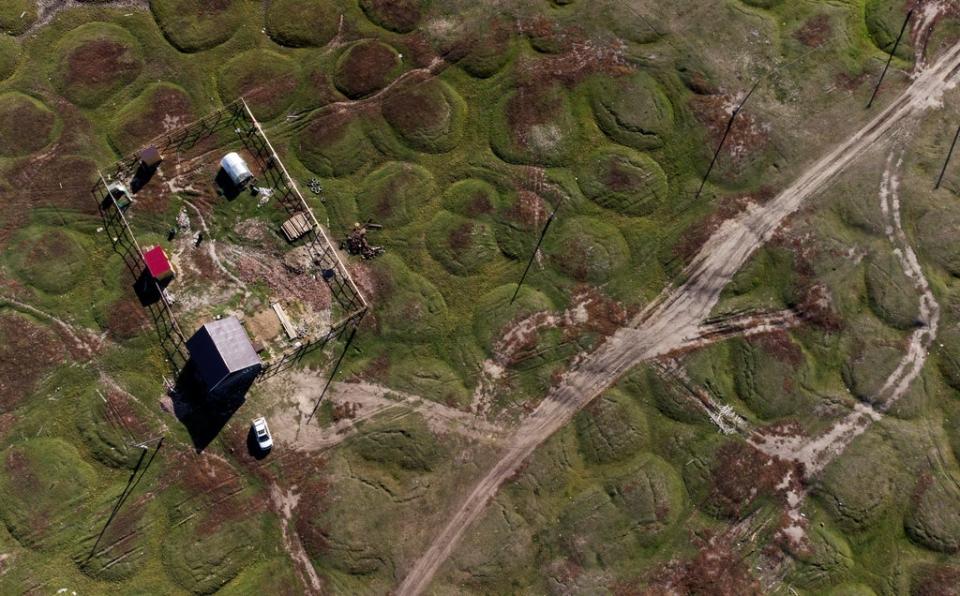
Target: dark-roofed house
x,y
224,356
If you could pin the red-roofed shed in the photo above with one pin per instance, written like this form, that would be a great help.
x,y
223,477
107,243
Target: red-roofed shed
x,y
158,264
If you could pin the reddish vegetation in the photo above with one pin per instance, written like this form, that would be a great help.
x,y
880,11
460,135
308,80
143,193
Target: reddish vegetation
x,y
27,352
24,126
366,68
717,569
814,300
529,210
741,474
461,237
310,508
746,137
937,581
779,345
119,412
478,205
396,15
329,128
532,106
577,57
126,318
414,106
266,92
815,31
100,62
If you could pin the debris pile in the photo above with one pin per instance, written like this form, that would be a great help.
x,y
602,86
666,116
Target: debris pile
x,y
356,242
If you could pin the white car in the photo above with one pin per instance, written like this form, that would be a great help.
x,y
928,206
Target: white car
x,y
262,432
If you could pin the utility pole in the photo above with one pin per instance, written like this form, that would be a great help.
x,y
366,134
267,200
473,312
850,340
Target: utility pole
x,y
543,234
723,139
947,161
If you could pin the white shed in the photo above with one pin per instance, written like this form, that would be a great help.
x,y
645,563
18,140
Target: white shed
x,y
236,168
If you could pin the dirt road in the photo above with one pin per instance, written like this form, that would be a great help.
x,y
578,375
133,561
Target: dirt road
x,y
678,313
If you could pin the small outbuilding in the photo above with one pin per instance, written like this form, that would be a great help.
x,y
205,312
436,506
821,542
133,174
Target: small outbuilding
x,y
236,169
297,226
150,158
158,265
224,356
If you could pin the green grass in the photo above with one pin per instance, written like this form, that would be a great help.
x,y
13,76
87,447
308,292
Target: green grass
x,y
366,67
623,181
335,146
9,56
890,293
934,519
149,115
11,21
462,245
26,125
587,249
633,110
50,259
301,23
396,193
884,20
194,26
266,80
494,310
610,430
408,444
535,126
427,115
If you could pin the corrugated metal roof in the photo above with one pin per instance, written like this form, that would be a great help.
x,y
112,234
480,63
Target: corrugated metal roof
x,y
220,348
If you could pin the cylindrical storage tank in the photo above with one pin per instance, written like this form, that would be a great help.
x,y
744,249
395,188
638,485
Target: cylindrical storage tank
x,y
236,168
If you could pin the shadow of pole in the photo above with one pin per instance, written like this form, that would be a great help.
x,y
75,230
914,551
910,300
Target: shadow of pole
x,y
127,491
333,373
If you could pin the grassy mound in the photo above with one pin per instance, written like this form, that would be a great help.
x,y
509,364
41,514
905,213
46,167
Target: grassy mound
x,y
633,111
762,3
9,56
42,481
852,590
401,16
265,79
395,193
427,115
408,306
593,531
610,430
26,125
587,249
494,311
300,23
766,376
934,520
884,19
125,546
205,553
406,443
366,67
535,125
107,427
274,576
430,379
939,229
497,550
825,559
192,26
624,181
28,351
670,398
859,488
519,221
462,245
935,580
471,197
651,494
490,51
52,260
96,61
890,292
160,106
335,145
949,355
868,366
11,21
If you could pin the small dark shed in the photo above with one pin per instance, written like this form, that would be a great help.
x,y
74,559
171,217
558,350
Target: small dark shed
x,y
223,355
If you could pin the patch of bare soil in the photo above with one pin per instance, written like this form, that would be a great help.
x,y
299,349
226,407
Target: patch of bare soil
x,y
99,62
696,236
815,32
742,473
747,136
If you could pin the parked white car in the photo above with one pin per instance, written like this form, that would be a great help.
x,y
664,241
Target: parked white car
x,y
262,432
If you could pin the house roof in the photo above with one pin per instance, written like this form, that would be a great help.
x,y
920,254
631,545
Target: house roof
x,y
221,348
157,262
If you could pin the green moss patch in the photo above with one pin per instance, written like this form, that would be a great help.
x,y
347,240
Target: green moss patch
x,y
191,26
335,145
650,493
490,51
430,379
96,61
407,443
937,241
26,125
670,398
160,107
401,16
42,481
884,19
471,197
299,23
587,249
395,193
408,306
519,221
824,559
624,181
16,16
632,110
266,80
610,430
535,125
767,375
934,519
891,294
494,310
427,115
366,67
275,576
462,245
50,259
9,56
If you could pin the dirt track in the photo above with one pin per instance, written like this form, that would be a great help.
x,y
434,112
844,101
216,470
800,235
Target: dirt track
x,y
678,313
